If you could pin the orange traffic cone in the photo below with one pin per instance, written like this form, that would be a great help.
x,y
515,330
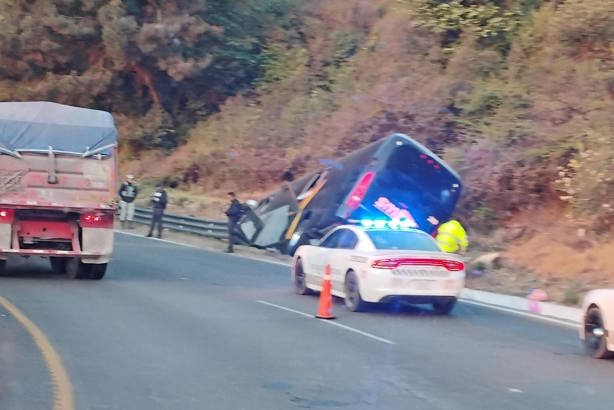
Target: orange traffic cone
x,y
326,297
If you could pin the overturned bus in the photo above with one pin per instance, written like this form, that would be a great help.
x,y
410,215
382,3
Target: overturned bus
x,y
394,178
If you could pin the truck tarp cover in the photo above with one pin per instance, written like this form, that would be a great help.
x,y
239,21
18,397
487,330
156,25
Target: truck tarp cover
x,y
36,126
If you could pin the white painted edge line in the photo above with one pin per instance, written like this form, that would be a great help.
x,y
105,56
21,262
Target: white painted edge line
x,y
498,307
187,245
328,322
204,248
287,309
523,314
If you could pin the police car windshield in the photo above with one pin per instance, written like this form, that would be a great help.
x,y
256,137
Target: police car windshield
x,y
402,240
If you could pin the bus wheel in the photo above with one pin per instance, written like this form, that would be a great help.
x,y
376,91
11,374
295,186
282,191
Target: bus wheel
x,y
292,246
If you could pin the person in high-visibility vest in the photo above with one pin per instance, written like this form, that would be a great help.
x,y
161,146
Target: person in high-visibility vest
x,y
451,237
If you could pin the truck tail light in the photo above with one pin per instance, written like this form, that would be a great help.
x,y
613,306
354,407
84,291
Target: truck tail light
x,y
360,190
393,263
96,220
6,215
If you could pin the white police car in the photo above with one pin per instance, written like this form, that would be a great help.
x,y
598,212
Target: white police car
x,y
383,261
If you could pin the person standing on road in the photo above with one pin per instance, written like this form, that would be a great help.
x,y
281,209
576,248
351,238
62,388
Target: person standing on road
x,y
158,200
234,212
451,237
127,194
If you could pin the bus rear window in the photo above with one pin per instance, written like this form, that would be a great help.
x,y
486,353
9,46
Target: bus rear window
x,y
418,170
403,240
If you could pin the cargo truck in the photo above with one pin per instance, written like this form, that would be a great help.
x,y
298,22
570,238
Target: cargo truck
x,y
58,170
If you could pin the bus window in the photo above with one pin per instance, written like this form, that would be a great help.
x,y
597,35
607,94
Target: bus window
x,y
422,175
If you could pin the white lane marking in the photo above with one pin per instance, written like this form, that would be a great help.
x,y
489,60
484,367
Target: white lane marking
x,y
348,328
471,302
523,314
136,235
287,309
204,248
360,332
513,390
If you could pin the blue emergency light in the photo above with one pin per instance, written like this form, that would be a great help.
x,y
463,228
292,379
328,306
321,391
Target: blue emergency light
x,y
390,224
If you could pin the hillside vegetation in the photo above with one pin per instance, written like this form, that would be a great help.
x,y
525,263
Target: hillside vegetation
x,y
518,95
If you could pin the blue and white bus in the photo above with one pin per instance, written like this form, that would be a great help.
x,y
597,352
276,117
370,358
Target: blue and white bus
x,y
393,179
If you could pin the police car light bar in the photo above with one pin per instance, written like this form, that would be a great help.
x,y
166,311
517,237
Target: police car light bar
x,y
391,224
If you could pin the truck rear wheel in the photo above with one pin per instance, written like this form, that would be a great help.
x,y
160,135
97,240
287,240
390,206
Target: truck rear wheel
x,y
97,271
75,269
58,264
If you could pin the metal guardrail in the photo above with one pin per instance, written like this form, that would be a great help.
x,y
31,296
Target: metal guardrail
x,y
189,224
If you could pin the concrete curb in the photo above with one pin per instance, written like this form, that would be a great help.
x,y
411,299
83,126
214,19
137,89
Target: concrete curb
x,y
539,310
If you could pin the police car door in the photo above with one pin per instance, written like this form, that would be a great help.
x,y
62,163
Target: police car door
x,y
344,250
320,256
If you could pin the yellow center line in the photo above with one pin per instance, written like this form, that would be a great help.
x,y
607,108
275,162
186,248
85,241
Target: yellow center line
x,y
62,388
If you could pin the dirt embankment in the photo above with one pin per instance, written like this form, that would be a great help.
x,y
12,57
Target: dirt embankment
x,y
546,250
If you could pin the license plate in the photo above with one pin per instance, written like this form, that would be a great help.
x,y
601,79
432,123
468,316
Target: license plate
x,y
420,273
422,284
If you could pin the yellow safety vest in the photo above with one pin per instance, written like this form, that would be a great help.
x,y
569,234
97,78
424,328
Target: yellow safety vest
x,y
451,237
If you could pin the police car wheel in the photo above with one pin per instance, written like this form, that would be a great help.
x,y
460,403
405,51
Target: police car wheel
x,y
353,300
595,341
444,307
300,280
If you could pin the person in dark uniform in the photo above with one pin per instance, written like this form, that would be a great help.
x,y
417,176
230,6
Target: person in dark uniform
x,y
234,212
158,200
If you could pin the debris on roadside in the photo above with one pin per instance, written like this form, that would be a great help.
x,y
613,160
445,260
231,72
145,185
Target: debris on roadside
x,y
484,263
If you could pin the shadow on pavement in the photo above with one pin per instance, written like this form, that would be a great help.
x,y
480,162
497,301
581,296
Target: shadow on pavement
x,y
391,309
29,268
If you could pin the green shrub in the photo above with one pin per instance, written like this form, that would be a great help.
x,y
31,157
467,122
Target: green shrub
x,y
484,218
572,294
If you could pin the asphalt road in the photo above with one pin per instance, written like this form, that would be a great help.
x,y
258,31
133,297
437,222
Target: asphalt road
x,y
172,327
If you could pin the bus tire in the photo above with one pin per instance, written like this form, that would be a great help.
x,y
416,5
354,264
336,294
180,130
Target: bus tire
x,y
302,240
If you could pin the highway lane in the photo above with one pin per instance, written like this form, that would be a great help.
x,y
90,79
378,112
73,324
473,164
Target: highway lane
x,y
173,327
21,367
